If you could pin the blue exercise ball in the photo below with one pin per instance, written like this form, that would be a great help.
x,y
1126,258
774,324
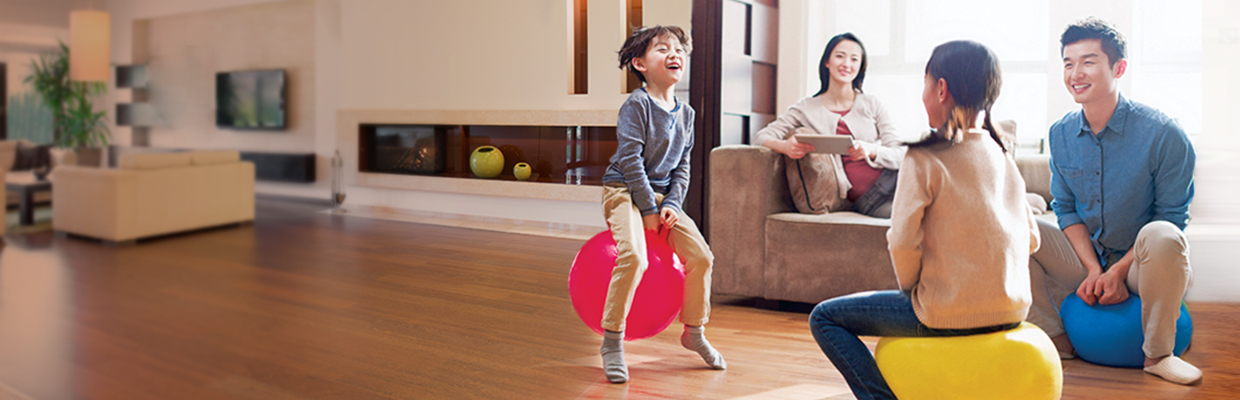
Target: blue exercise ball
x,y
1111,335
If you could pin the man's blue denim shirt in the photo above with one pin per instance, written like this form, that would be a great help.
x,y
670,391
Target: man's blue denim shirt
x,y
1138,169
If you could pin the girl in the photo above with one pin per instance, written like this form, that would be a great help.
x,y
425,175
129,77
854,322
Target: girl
x,y
961,230
840,107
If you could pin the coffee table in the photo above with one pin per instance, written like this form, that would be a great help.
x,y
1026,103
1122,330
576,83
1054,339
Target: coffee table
x,y
25,185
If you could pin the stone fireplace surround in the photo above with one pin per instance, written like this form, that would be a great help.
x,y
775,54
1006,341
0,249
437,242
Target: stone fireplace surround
x,y
348,128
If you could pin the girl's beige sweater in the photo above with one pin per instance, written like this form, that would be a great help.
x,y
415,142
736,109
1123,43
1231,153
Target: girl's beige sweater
x,y
961,234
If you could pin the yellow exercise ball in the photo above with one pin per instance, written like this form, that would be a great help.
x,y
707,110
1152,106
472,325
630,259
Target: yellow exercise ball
x,y
1016,364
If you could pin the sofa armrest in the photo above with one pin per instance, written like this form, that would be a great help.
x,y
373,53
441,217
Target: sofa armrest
x,y
747,184
94,202
1036,169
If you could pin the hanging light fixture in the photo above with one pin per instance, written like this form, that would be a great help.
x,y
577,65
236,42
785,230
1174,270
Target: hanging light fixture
x,y
90,34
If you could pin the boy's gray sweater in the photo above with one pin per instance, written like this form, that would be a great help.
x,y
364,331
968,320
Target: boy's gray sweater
x,y
653,152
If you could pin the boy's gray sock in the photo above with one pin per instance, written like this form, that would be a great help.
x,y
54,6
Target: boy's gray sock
x,y
613,357
694,339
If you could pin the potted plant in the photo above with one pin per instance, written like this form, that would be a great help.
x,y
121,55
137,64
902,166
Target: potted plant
x,y
75,124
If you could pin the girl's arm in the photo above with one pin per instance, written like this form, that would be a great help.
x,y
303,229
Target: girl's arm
x,y
913,194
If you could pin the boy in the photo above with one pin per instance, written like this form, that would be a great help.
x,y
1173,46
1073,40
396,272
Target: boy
x,y
1122,178
644,187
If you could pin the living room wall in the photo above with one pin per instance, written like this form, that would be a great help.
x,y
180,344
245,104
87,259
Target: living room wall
x,y
482,55
186,42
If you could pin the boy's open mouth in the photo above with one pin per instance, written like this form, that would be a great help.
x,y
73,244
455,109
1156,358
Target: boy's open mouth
x,y
673,66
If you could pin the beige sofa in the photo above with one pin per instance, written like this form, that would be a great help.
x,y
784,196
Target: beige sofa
x,y
764,248
153,194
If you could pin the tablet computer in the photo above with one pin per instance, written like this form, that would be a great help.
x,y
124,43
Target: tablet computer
x,y
827,144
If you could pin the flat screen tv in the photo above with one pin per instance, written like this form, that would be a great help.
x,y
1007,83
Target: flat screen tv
x,y
250,100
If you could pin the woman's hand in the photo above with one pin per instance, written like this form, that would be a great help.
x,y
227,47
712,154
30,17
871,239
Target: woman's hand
x,y
792,148
862,151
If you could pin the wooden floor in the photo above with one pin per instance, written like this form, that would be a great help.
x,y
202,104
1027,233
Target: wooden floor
x,y
307,305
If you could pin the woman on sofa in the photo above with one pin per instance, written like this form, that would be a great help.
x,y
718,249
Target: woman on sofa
x,y
840,107
961,230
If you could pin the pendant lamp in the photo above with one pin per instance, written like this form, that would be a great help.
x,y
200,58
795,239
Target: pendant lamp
x,y
90,34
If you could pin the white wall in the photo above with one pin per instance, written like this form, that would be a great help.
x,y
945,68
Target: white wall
x,y
27,28
481,55
203,37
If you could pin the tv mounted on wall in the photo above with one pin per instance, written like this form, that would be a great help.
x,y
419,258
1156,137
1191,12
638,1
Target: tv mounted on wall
x,y
250,100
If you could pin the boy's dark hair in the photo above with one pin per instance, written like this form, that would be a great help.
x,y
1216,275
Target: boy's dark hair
x,y
1113,42
639,43
824,74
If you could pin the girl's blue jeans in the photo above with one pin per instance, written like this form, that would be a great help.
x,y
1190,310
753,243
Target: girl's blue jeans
x,y
836,324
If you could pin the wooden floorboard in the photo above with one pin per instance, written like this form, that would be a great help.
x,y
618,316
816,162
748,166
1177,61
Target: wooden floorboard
x,y
307,305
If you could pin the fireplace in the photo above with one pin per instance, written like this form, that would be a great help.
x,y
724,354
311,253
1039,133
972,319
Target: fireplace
x,y
575,155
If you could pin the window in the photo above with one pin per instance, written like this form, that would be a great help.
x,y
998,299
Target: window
x,y
1164,53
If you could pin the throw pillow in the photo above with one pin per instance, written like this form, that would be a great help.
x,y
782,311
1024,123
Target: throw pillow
x,y
30,156
814,185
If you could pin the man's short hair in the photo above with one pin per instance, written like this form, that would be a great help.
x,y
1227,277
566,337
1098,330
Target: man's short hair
x,y
1113,42
639,42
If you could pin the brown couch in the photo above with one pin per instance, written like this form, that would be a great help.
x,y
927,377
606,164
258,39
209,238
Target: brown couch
x,y
764,248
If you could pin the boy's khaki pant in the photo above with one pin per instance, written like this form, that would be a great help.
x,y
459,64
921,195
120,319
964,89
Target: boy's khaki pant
x,y
627,229
1160,275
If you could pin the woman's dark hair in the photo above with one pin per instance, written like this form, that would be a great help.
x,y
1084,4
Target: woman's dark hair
x,y
973,78
639,43
824,73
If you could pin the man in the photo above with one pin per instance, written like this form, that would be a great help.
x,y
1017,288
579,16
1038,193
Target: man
x,y
1122,179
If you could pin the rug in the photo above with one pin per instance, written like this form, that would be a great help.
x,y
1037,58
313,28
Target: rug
x,y
42,222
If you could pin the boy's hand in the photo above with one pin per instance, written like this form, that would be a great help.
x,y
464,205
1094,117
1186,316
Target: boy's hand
x,y
669,216
651,222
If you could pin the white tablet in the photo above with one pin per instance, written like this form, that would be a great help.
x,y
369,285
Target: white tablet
x,y
828,144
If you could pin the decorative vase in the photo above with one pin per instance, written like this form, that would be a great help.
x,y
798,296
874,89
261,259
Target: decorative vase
x,y
521,171
486,162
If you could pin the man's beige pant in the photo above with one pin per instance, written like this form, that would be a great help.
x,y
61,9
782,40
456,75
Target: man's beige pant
x,y
627,229
1160,275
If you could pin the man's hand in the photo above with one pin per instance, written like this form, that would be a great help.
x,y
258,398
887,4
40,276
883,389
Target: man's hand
x,y
669,217
1087,288
1105,288
651,222
1112,287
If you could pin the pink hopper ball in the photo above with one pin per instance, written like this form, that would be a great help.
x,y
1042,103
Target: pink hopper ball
x,y
657,300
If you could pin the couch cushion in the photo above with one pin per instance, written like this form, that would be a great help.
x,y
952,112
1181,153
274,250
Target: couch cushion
x,y
810,258
215,157
155,160
1036,170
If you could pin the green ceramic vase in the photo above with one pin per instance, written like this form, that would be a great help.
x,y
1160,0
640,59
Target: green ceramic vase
x,y
521,171
486,162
